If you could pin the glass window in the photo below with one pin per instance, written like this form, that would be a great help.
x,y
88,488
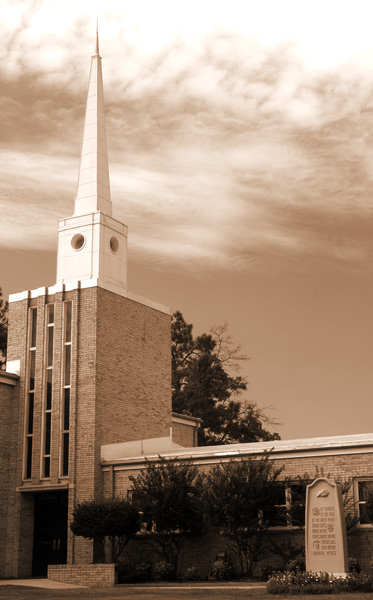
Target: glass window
x,y
34,316
68,322
30,424
47,446
28,457
277,515
66,412
66,382
29,400
48,390
50,347
67,364
47,466
50,313
364,491
65,454
32,370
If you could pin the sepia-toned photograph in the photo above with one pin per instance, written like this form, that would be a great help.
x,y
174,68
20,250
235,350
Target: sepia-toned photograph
x,y
186,293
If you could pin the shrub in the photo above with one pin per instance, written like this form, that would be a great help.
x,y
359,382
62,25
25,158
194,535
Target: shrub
x,y
266,572
192,574
163,571
114,518
224,572
297,564
354,566
143,571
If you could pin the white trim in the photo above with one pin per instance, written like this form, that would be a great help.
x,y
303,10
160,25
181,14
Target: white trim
x,y
280,450
149,303
19,296
85,284
13,367
186,422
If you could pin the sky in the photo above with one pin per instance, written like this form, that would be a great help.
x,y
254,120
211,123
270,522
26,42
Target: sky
x,y
240,140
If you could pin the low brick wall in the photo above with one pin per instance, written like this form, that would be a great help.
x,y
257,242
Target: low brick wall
x,y
90,575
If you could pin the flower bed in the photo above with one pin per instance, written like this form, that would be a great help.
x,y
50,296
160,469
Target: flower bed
x,y
318,583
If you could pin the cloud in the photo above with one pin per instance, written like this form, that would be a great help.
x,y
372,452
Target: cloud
x,y
222,149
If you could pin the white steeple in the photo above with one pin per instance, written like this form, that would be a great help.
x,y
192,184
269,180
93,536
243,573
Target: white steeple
x,y
92,246
94,184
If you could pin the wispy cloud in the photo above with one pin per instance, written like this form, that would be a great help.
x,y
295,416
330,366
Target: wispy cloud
x,y
221,147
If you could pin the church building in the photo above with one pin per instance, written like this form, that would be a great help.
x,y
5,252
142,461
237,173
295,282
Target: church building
x,y
86,395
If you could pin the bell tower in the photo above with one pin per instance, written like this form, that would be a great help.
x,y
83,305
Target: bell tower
x,y
91,367
92,245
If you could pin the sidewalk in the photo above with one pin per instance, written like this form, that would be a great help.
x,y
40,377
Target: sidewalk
x,y
41,583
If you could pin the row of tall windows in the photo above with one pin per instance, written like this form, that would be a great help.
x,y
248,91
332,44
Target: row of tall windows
x,y
66,390
48,392
30,393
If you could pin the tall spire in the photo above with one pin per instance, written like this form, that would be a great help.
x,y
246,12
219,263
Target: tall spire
x,y
94,184
97,48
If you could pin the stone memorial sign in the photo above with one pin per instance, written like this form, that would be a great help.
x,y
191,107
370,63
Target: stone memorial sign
x,y
326,540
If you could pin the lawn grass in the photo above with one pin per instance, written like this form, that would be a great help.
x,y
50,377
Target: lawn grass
x,y
128,592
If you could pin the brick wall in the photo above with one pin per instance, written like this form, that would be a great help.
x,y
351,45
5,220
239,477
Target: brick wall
x,y
11,543
133,370
90,575
200,551
123,386
8,395
184,434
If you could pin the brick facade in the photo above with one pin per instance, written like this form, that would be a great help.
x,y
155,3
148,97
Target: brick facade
x,y
9,390
185,430
120,391
315,459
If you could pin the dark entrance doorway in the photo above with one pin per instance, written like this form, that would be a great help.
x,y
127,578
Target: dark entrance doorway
x,y
50,531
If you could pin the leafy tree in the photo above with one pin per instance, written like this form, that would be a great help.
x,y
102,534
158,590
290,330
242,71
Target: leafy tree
x,y
168,494
116,519
3,329
239,499
205,385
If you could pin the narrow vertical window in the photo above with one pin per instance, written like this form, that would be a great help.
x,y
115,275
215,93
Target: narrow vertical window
x,y
30,394
48,392
66,390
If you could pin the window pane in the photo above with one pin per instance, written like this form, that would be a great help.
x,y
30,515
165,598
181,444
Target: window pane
x,y
50,347
28,457
32,370
298,504
47,446
50,313
30,421
68,322
47,466
66,412
34,315
49,389
67,364
65,460
276,514
365,488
